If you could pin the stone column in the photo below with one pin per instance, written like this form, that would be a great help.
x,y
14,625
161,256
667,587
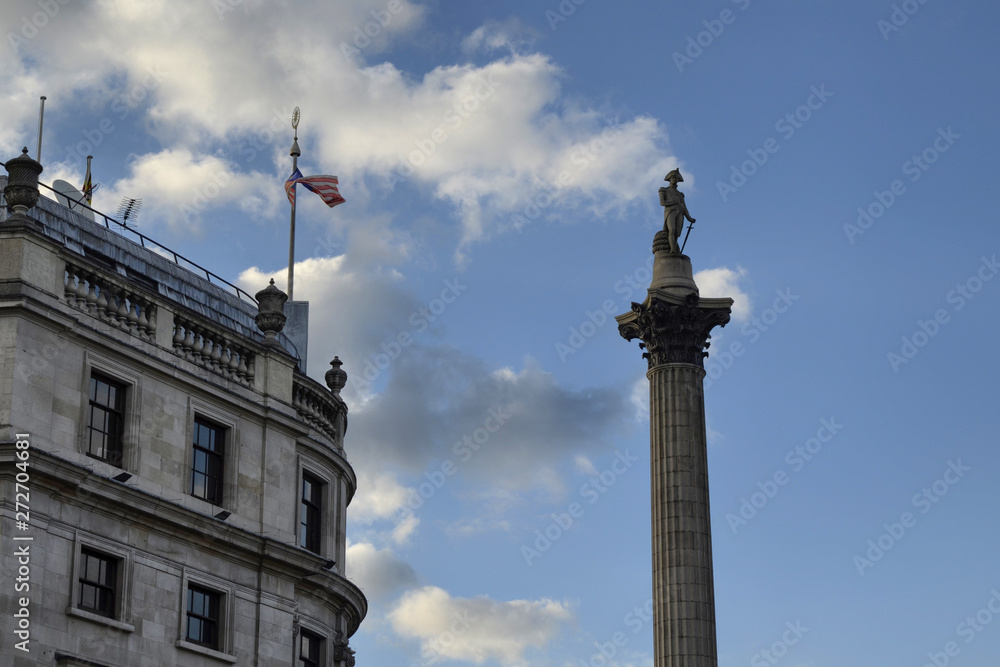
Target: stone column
x,y
674,325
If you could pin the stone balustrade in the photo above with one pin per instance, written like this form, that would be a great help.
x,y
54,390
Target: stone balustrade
x,y
316,406
110,301
214,350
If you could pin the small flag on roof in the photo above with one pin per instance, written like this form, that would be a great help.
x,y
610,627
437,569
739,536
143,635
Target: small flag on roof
x,y
323,185
88,188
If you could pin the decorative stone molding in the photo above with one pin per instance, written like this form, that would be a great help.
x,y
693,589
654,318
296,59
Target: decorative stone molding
x,y
110,301
336,377
673,331
213,350
271,312
21,192
343,654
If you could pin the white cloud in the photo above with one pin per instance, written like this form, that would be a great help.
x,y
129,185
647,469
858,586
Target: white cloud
x,y
379,496
178,188
405,528
584,465
477,629
490,139
725,282
378,572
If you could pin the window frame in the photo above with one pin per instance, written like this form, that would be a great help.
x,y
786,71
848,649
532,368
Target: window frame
x,y
131,384
107,585
211,598
124,559
220,431
313,467
323,641
316,503
112,440
224,625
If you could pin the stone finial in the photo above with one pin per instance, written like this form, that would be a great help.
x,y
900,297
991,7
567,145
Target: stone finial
x,y
271,311
336,377
21,192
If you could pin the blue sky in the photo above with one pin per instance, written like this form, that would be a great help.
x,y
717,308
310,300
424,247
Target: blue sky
x,y
500,166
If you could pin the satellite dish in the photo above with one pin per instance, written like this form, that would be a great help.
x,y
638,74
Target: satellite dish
x,y
71,198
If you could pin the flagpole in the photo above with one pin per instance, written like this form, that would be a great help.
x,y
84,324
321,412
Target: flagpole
x,y
291,242
41,120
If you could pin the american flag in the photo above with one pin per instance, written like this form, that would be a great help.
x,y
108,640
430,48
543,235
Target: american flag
x,y
324,185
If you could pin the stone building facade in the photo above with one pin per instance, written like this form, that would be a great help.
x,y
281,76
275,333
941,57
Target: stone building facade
x,y
184,483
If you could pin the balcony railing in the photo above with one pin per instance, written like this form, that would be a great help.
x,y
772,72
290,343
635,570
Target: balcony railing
x,y
214,350
110,301
317,406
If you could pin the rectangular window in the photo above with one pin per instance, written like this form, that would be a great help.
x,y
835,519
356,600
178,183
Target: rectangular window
x,y
203,617
206,466
310,526
98,583
106,423
310,649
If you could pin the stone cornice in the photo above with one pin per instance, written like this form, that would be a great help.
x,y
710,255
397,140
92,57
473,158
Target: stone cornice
x,y
674,329
201,531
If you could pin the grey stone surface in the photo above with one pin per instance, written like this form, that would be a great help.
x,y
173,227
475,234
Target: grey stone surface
x,y
674,325
51,338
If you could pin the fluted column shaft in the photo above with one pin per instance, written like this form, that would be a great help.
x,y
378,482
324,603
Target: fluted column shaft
x,y
683,588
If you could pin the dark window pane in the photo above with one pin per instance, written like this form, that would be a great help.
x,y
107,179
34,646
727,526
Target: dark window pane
x,y
310,649
107,420
206,461
310,525
203,616
98,582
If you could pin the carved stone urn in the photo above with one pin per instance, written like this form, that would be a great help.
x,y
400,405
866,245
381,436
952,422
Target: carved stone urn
x,y
336,377
271,312
21,192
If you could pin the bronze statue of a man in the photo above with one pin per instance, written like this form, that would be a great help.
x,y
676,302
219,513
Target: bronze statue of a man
x,y
674,209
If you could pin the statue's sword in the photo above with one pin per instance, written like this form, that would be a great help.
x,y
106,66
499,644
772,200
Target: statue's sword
x,y
690,225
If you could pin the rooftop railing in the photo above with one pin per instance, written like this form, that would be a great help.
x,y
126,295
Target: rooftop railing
x,y
164,251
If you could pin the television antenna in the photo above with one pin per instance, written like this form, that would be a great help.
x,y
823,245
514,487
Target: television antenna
x,y
129,208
